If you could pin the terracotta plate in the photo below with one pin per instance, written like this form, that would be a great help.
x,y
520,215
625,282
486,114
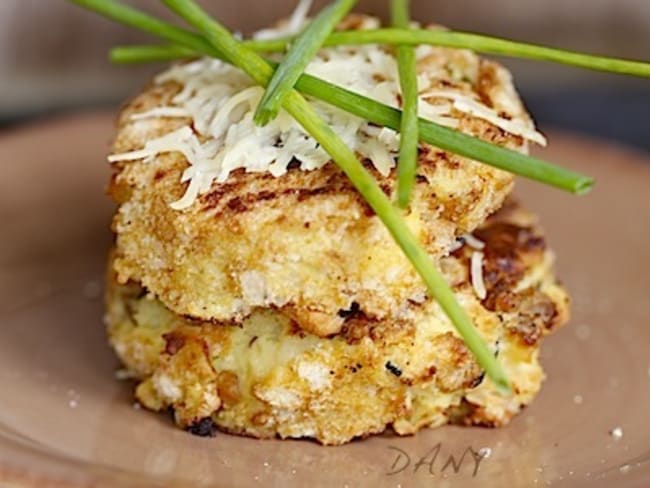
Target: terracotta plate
x,y
66,421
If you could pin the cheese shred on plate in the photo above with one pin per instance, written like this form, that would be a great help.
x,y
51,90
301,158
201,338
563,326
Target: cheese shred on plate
x,y
219,102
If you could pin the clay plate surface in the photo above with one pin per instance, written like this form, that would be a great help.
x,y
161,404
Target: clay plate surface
x,y
66,421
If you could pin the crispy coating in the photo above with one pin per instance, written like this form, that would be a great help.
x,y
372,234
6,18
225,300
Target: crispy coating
x,y
304,243
268,377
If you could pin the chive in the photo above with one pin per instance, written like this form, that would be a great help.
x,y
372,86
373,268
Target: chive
x,y
490,45
278,44
150,53
301,52
436,135
408,142
262,72
476,42
132,17
463,40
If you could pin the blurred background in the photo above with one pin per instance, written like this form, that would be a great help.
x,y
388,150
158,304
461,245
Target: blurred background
x,y
53,56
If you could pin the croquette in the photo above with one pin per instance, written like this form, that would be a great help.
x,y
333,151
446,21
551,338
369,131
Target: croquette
x,y
251,289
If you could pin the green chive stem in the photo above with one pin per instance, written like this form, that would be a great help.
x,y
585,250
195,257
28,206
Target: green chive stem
x,y
408,143
464,40
491,45
300,53
150,53
129,16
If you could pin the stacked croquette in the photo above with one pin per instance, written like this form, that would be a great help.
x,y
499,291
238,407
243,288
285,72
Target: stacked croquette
x,y
275,303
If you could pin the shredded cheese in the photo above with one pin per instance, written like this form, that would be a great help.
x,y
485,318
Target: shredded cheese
x,y
473,107
171,112
476,270
473,242
220,101
468,239
292,26
458,243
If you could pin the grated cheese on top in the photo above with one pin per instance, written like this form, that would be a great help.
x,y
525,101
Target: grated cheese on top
x,y
289,27
220,101
471,106
171,112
